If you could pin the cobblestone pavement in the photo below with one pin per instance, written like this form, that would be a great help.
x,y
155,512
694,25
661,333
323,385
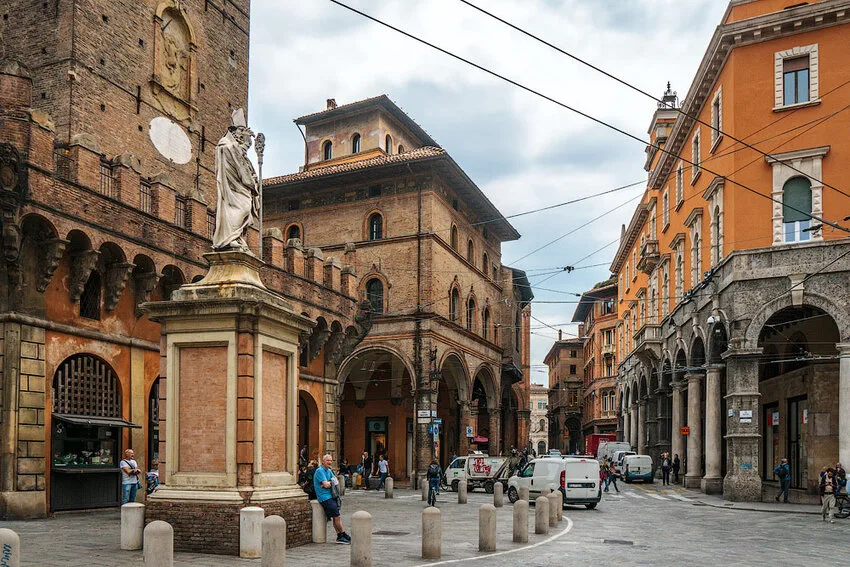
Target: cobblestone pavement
x,y
643,525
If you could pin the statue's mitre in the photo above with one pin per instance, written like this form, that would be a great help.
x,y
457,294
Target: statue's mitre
x,y
238,118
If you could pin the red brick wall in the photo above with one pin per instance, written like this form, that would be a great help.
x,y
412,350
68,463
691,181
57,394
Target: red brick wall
x,y
274,411
203,379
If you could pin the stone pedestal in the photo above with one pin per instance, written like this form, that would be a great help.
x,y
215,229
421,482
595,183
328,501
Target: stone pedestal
x,y
742,482
229,369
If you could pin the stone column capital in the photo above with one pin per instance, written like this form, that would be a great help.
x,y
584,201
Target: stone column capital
x,y
742,353
678,385
843,348
714,367
694,377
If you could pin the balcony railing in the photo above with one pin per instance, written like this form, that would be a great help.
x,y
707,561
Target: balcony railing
x,y
646,335
649,256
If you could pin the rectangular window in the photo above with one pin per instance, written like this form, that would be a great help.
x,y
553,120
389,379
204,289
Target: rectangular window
x,y
180,212
573,354
539,405
695,157
107,181
145,197
572,368
795,80
680,184
665,206
716,117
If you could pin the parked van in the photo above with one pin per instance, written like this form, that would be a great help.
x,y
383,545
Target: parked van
x,y
607,450
479,471
637,467
618,459
576,478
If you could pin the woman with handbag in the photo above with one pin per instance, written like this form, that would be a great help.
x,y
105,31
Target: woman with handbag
x,y
130,482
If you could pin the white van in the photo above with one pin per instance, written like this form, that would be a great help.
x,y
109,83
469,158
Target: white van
x,y
637,467
618,459
479,471
608,450
575,477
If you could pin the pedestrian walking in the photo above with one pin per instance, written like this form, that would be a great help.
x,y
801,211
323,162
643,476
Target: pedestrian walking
x,y
383,471
840,477
130,483
677,465
828,488
324,484
783,472
666,465
366,465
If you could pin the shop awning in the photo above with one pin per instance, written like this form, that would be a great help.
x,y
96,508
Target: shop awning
x,y
479,439
95,420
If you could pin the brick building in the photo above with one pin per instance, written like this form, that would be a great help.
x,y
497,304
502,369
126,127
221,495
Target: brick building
x,y
566,384
733,272
109,115
450,323
538,437
597,310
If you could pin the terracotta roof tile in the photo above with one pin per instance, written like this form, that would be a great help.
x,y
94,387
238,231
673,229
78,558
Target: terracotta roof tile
x,y
316,173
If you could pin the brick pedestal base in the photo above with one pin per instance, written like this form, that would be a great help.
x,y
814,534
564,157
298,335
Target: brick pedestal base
x,y
208,527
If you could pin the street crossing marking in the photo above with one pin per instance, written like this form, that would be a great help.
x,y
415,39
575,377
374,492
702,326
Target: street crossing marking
x,y
657,497
679,497
633,495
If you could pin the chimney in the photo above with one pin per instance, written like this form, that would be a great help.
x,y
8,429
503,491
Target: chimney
x,y
560,335
331,103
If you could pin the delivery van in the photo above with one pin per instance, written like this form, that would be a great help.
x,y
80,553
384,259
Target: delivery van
x,y
637,467
479,471
576,478
607,450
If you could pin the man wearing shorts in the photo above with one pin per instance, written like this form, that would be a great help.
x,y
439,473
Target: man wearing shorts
x,y
323,480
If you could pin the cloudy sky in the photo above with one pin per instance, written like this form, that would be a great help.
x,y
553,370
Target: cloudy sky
x,y
524,152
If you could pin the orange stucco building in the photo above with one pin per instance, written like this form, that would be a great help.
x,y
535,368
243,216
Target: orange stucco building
x,y
730,271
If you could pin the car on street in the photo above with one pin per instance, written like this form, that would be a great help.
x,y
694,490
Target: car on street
x,y
577,479
478,470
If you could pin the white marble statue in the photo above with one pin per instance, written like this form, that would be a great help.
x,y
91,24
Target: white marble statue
x,y
237,184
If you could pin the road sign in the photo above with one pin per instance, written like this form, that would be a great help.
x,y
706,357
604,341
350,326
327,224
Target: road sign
x,y
685,430
469,431
423,413
437,421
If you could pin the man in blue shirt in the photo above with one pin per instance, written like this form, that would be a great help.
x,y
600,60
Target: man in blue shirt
x,y
323,481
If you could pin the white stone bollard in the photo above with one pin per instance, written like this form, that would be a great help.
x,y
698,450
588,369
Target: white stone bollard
x,y
274,542
487,528
388,487
320,523
251,532
341,479
461,492
159,544
423,485
498,495
431,533
361,539
560,504
546,492
132,526
541,515
521,521
523,493
553,509
10,548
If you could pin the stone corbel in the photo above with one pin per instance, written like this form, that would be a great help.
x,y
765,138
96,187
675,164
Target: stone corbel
x,y
143,286
52,248
82,263
318,339
117,275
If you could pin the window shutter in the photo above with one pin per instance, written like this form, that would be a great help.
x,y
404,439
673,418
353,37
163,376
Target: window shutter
x,y
796,200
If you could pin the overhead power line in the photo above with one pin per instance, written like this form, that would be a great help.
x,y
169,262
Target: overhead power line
x,y
637,89
584,114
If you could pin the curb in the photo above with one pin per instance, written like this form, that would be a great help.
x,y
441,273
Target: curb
x,y
752,509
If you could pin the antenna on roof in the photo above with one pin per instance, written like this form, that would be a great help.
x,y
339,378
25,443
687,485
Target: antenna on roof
x,y
331,103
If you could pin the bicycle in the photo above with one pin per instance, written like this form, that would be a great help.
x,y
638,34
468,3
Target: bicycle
x,y
432,493
842,505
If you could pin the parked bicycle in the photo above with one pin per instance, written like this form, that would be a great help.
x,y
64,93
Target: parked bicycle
x,y
842,505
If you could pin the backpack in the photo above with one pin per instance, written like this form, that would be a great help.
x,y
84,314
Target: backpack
x,y
309,488
433,471
781,471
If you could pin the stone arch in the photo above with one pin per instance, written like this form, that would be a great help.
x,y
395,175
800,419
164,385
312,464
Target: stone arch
x,y
172,278
718,342
379,215
308,424
454,362
346,365
484,374
697,350
839,315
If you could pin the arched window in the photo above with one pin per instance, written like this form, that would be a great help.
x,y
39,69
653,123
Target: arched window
x,y
90,298
485,327
454,240
797,209
86,385
470,314
470,252
541,446
355,143
400,149
454,311
388,146
293,231
485,264
376,226
375,295
327,150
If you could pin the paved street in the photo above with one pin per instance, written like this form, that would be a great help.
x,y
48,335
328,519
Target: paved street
x,y
643,525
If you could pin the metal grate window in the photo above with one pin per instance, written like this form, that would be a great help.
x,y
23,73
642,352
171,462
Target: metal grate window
x,y
108,186
180,213
145,197
86,385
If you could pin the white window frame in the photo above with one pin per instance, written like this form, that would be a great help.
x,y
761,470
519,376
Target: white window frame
x,y
680,185
665,213
696,156
714,196
810,163
778,70
716,117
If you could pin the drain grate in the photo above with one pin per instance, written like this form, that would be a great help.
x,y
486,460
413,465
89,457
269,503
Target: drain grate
x,y
390,533
618,541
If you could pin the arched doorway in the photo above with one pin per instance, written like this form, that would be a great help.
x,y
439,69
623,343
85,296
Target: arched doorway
x,y
798,383
485,413
509,406
376,409
153,424
572,427
86,432
308,428
451,439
